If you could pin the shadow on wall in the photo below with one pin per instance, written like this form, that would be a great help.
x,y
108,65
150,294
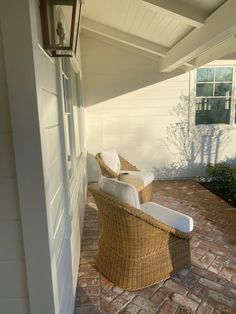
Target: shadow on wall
x,y
178,170
99,90
110,71
191,146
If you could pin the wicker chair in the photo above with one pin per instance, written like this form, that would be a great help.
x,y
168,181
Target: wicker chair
x,y
145,194
135,249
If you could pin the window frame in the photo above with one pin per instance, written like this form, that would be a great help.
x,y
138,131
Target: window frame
x,y
67,70
75,78
232,113
67,116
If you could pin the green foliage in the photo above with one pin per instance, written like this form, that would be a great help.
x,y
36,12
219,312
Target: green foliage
x,y
223,179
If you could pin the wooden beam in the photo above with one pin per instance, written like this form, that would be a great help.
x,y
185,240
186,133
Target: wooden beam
x,y
178,9
121,45
225,48
123,37
219,26
229,56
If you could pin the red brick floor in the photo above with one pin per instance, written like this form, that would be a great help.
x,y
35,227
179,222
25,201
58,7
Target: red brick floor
x,y
207,286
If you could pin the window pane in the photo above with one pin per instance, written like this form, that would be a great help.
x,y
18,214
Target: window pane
x,y
213,110
220,110
223,89
66,94
68,144
203,104
65,67
223,74
67,112
75,98
204,89
205,75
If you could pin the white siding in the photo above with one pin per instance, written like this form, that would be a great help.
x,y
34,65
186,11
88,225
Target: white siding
x,y
77,201
145,115
13,287
50,207
57,207
65,198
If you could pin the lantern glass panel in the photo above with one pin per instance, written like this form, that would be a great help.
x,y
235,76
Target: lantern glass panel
x,y
60,25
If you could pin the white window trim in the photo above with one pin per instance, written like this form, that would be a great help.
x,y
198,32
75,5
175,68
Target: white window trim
x,y
193,84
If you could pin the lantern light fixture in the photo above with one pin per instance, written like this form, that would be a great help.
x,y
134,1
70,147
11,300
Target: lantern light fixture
x,y
60,26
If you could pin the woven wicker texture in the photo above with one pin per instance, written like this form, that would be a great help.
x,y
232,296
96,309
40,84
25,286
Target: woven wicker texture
x,y
125,165
145,195
136,250
108,172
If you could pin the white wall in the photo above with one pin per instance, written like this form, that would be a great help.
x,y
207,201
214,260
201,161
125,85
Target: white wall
x,y
13,286
137,110
65,198
51,206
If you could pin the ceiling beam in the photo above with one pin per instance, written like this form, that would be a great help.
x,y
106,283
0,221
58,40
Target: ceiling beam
x,y
225,48
178,9
123,37
229,56
121,45
219,26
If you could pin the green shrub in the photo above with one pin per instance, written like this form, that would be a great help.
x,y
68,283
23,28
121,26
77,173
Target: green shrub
x,y
223,179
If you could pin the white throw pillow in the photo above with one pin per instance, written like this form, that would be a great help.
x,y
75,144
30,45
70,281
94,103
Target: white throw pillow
x,y
123,191
111,159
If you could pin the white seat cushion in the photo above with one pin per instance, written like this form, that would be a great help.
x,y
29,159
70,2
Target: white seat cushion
x,y
168,216
111,159
144,177
123,191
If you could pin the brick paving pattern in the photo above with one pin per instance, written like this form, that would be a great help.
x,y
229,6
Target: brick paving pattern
x,y
207,286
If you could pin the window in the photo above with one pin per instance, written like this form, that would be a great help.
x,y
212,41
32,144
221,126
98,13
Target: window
x,y
75,106
213,95
67,112
71,116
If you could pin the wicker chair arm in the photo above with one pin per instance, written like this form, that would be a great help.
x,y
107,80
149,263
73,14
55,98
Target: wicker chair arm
x,y
125,165
106,171
140,214
162,226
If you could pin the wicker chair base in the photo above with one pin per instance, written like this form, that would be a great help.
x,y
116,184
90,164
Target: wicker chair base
x,y
134,274
146,194
135,249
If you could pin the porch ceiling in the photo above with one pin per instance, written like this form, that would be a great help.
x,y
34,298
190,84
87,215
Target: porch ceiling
x,y
179,32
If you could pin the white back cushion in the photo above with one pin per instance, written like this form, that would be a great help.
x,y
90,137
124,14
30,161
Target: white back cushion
x,y
111,159
121,190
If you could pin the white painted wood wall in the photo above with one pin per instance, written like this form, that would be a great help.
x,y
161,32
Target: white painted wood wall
x,y
134,108
65,198
51,207
13,285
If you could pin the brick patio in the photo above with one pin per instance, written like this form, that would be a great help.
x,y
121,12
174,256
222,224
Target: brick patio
x,y
208,286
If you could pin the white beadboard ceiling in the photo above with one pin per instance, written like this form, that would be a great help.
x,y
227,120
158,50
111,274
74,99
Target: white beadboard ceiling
x,y
133,17
171,25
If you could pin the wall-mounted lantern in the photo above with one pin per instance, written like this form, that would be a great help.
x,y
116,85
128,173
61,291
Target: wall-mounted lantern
x,y
60,26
